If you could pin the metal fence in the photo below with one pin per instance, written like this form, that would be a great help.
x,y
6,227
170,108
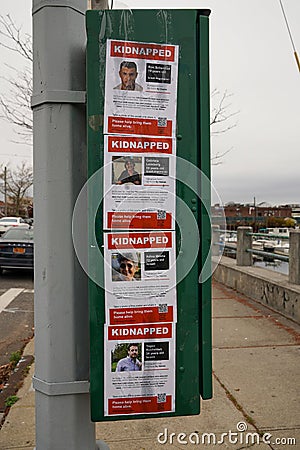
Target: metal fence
x,y
247,247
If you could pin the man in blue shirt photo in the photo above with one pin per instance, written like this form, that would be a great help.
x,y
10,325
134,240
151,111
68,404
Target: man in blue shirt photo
x,y
130,363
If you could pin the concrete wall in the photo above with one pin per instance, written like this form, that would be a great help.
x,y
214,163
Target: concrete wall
x,y
270,288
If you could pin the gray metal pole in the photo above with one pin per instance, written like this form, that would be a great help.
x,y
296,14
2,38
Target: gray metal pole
x,y
61,301
5,191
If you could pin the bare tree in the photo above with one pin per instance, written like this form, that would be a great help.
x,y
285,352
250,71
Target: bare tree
x,y
15,104
14,39
18,182
220,120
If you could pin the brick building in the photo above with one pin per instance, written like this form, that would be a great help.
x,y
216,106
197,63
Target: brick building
x,y
238,214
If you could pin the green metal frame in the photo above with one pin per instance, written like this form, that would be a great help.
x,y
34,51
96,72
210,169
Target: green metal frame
x,y
188,29
205,224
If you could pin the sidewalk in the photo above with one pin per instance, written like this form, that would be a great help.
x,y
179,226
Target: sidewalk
x,y
256,386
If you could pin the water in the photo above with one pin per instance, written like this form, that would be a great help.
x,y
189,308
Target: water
x,y
276,266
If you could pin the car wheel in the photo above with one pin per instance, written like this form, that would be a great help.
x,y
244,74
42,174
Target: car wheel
x,y
1,270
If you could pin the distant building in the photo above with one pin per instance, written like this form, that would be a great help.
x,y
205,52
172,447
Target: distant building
x,y
257,216
296,212
25,210
2,208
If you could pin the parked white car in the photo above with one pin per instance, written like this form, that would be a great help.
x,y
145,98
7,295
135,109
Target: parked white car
x,y
7,222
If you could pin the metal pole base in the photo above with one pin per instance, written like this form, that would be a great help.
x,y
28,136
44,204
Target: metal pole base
x,y
101,445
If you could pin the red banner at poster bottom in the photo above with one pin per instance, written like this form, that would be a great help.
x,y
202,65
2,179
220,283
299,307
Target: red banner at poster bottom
x,y
139,405
138,220
150,314
145,127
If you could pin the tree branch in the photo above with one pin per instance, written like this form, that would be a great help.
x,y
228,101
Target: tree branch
x,y
16,108
15,105
220,121
13,38
216,159
221,113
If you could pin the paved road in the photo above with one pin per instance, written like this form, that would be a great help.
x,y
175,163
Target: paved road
x,y
16,312
16,279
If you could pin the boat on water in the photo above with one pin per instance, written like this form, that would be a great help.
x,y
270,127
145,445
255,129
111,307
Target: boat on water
x,y
276,231
276,240
271,240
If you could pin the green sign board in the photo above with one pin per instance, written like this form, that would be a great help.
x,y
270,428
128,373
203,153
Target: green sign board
x,y
149,202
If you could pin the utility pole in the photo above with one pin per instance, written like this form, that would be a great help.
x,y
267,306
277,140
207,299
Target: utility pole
x,y
255,214
5,191
61,377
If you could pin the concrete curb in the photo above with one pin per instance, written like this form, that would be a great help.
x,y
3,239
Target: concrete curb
x,y
269,288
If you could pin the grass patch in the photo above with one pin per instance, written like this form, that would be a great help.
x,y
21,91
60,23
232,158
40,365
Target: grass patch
x,y
15,358
11,400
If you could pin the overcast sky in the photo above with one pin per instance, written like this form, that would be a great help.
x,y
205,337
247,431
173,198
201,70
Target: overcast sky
x,y
252,58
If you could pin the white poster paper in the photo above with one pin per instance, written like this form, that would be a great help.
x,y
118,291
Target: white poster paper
x,y
140,276
140,88
139,183
140,186
139,369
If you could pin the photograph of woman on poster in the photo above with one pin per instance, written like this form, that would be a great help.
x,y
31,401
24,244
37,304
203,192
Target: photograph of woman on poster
x,y
130,174
126,267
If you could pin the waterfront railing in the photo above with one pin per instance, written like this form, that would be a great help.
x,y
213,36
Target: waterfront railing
x,y
240,244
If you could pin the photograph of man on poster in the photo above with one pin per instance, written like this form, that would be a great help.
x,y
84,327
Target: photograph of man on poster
x,y
130,362
128,74
126,267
